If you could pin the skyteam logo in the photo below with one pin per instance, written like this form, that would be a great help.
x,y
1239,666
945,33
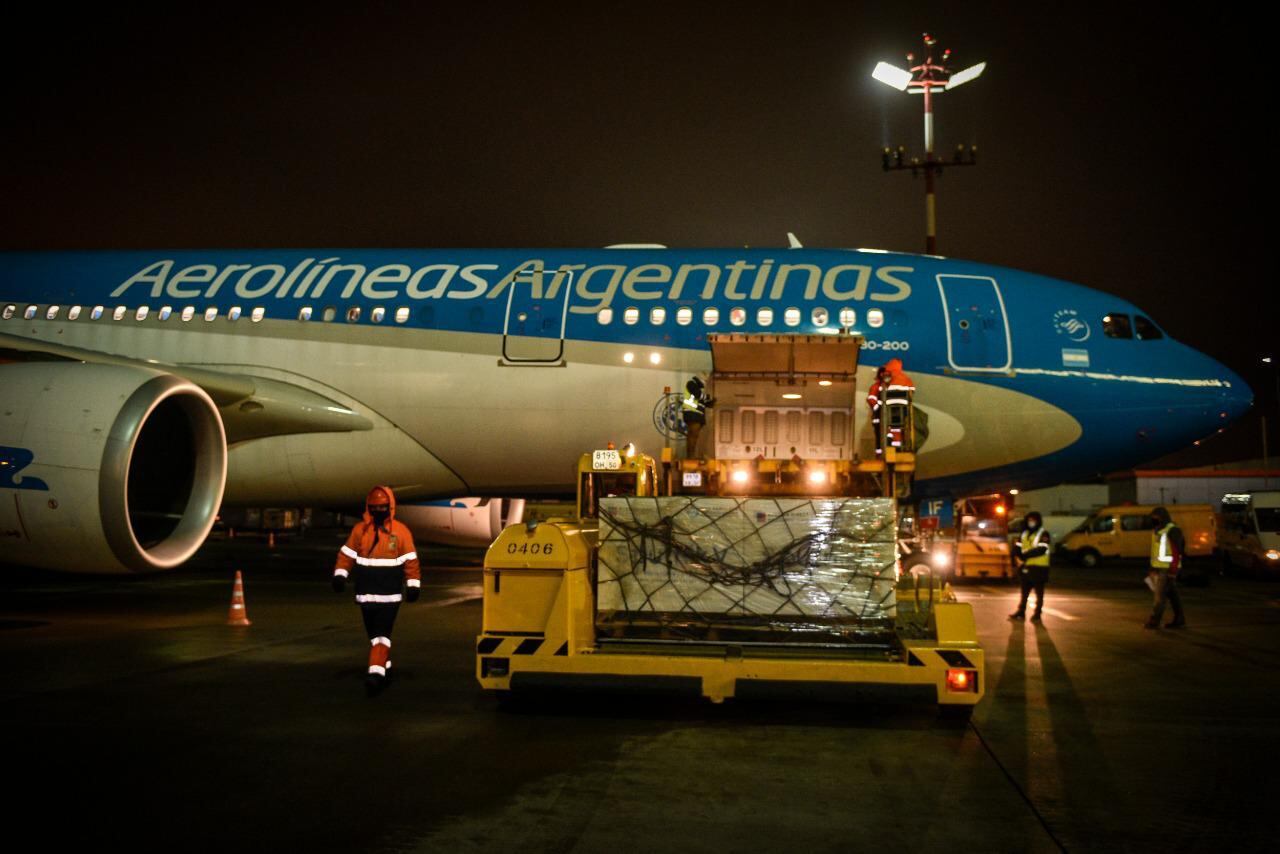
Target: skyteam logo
x,y
1067,321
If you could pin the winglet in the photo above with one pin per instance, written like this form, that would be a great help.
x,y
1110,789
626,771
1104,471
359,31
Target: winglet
x,y
793,242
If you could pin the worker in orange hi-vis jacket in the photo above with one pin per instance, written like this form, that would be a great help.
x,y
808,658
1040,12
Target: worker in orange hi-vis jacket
x,y
899,391
381,556
875,401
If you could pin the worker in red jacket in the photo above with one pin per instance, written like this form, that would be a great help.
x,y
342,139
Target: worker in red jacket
x,y
890,398
380,553
875,400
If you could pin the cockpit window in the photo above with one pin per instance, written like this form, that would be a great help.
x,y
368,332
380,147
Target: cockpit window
x,y
1117,326
1146,330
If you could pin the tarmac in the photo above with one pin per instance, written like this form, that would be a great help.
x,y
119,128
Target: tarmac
x,y
135,716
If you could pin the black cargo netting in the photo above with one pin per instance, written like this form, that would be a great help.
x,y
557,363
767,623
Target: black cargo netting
x,y
766,565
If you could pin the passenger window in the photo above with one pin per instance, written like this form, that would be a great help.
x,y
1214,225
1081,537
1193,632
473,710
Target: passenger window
x,y
710,316
684,316
631,316
73,313
604,316
165,312
210,314
764,317
820,317
119,313
304,313
30,313
328,314
258,314
1136,522
8,311
658,316
188,313
377,314
1146,330
96,313
353,314
1103,525
737,317
402,314
426,315
234,313
51,313
875,318
848,317
1117,326
791,317
141,313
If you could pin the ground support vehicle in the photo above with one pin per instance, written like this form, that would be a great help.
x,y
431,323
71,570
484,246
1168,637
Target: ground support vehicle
x,y
784,580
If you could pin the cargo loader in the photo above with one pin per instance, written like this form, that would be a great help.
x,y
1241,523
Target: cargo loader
x,y
683,575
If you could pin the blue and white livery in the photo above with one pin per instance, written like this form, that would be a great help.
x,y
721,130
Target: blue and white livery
x,y
484,372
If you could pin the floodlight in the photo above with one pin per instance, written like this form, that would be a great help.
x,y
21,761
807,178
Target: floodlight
x,y
965,76
892,75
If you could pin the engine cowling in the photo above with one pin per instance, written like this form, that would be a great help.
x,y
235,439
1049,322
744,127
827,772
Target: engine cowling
x,y
474,522
106,468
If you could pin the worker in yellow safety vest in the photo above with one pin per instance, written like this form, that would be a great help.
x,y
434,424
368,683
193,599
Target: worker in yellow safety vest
x,y
1031,557
1168,547
693,411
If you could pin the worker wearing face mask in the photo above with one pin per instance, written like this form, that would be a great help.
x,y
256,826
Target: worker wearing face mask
x,y
380,555
1031,558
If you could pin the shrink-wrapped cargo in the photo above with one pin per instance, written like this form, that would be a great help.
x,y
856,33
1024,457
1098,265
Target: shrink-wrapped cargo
x,y
763,566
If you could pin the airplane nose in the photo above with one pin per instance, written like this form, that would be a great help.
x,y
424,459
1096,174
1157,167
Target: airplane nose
x,y
1236,396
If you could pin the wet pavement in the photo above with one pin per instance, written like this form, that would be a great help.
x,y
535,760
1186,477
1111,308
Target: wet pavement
x,y
135,716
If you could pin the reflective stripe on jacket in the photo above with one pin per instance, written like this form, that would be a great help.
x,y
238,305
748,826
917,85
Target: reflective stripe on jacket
x,y
382,560
1164,552
1036,540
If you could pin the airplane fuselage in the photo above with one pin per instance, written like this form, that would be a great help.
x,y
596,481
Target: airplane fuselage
x,y
486,372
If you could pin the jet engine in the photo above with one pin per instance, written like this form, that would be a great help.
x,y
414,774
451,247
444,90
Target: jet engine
x,y
106,468
474,522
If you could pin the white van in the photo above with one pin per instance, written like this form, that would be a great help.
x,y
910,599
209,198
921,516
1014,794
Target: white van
x,y
1249,536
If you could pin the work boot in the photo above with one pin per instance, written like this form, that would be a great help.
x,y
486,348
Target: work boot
x,y
1017,615
1035,618
1151,624
1176,623
373,684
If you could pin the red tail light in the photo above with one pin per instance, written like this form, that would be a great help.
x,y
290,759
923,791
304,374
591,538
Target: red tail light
x,y
961,681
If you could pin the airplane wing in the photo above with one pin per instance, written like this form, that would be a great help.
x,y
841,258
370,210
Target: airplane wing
x,y
251,407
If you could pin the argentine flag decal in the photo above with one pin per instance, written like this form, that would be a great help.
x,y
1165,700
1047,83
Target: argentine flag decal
x,y
1075,358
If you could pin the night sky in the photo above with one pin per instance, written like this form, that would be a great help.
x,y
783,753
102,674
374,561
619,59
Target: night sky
x,y
1110,140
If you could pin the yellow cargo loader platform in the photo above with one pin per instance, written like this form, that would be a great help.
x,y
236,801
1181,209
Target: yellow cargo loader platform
x,y
540,631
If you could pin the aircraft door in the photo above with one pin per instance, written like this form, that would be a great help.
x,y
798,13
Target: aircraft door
x,y
977,323
533,327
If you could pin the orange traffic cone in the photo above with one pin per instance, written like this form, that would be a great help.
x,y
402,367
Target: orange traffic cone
x,y
238,615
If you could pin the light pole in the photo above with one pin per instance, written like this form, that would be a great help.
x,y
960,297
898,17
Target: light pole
x,y
1275,377
927,78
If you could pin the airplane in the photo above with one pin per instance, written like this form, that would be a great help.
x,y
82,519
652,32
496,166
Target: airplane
x,y
143,389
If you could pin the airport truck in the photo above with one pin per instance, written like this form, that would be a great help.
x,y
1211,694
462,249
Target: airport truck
x,y
1249,537
768,568
981,547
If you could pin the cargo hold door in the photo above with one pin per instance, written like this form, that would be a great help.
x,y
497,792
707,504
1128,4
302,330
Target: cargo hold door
x,y
976,322
783,395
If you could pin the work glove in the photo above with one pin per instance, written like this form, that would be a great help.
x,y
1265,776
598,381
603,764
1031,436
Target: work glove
x,y
339,584
412,593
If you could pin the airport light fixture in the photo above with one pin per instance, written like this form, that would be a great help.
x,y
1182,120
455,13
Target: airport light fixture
x,y
928,77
